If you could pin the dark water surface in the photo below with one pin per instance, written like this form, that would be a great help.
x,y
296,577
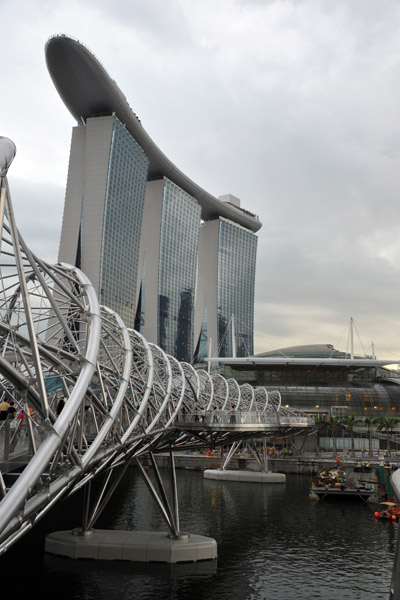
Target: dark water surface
x,y
273,543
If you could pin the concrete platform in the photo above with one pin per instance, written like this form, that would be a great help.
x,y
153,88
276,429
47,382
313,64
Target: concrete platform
x,y
246,476
135,546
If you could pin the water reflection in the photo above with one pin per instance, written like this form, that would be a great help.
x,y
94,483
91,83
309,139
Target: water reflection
x,y
273,542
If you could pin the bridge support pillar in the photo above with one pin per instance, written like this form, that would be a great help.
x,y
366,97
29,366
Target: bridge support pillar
x,y
261,476
246,476
135,546
251,447
170,514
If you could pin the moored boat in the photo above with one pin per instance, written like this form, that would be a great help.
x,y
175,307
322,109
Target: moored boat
x,y
359,482
390,512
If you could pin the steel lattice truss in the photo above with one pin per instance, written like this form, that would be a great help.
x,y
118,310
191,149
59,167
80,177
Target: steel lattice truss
x,y
91,393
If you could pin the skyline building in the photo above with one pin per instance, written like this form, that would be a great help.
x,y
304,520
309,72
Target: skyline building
x,y
175,262
103,210
168,264
225,299
320,380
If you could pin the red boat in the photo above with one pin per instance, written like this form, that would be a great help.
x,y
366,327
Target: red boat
x,y
391,511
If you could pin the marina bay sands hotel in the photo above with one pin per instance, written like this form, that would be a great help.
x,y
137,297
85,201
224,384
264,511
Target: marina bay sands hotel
x,y
174,261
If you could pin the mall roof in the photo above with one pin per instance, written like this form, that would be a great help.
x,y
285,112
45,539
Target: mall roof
x,y
285,360
87,91
307,354
307,351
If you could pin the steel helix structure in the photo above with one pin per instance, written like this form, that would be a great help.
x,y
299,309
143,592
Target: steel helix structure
x,y
89,393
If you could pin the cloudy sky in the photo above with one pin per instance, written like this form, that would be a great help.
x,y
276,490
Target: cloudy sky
x,y
291,105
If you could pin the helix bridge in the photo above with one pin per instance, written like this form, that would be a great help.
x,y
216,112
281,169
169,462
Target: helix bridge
x,y
92,395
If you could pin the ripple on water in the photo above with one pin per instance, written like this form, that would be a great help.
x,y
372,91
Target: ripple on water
x,y
273,543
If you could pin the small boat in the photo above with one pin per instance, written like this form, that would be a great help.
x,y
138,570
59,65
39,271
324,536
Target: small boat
x,y
359,482
390,511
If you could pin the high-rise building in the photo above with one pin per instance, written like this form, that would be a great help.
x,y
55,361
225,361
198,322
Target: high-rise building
x,y
174,261
225,301
103,210
168,263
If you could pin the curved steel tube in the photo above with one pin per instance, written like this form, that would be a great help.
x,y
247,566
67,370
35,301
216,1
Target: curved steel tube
x,y
90,392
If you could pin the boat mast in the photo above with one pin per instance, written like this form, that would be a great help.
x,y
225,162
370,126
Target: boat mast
x,y
233,337
351,339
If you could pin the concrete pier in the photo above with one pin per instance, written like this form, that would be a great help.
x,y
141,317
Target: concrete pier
x,y
246,476
135,546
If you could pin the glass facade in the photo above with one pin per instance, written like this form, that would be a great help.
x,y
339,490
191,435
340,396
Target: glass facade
x,y
112,166
237,249
179,240
127,176
201,352
325,389
138,241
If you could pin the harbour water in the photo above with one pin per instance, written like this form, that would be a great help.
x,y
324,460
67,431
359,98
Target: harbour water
x,y
273,543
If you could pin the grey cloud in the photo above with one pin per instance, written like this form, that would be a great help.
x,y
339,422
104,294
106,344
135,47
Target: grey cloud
x,y
292,106
38,211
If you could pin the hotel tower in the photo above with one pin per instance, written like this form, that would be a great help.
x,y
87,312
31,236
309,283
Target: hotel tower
x,y
175,262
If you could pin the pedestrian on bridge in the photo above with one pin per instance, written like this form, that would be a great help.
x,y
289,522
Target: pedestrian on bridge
x,y
4,406
60,406
11,412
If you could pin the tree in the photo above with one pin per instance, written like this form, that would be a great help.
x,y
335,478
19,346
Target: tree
x,y
349,422
387,424
370,422
334,423
321,425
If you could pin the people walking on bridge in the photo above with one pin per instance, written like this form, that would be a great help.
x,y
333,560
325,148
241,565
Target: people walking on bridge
x,y
11,411
15,429
183,413
233,415
60,406
4,406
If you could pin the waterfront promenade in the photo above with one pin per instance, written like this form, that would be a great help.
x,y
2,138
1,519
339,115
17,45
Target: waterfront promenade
x,y
306,463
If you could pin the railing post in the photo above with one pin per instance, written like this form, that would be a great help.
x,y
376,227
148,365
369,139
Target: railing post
x,y
6,448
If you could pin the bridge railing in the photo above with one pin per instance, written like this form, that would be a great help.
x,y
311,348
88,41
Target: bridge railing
x,y
20,438
296,420
226,417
